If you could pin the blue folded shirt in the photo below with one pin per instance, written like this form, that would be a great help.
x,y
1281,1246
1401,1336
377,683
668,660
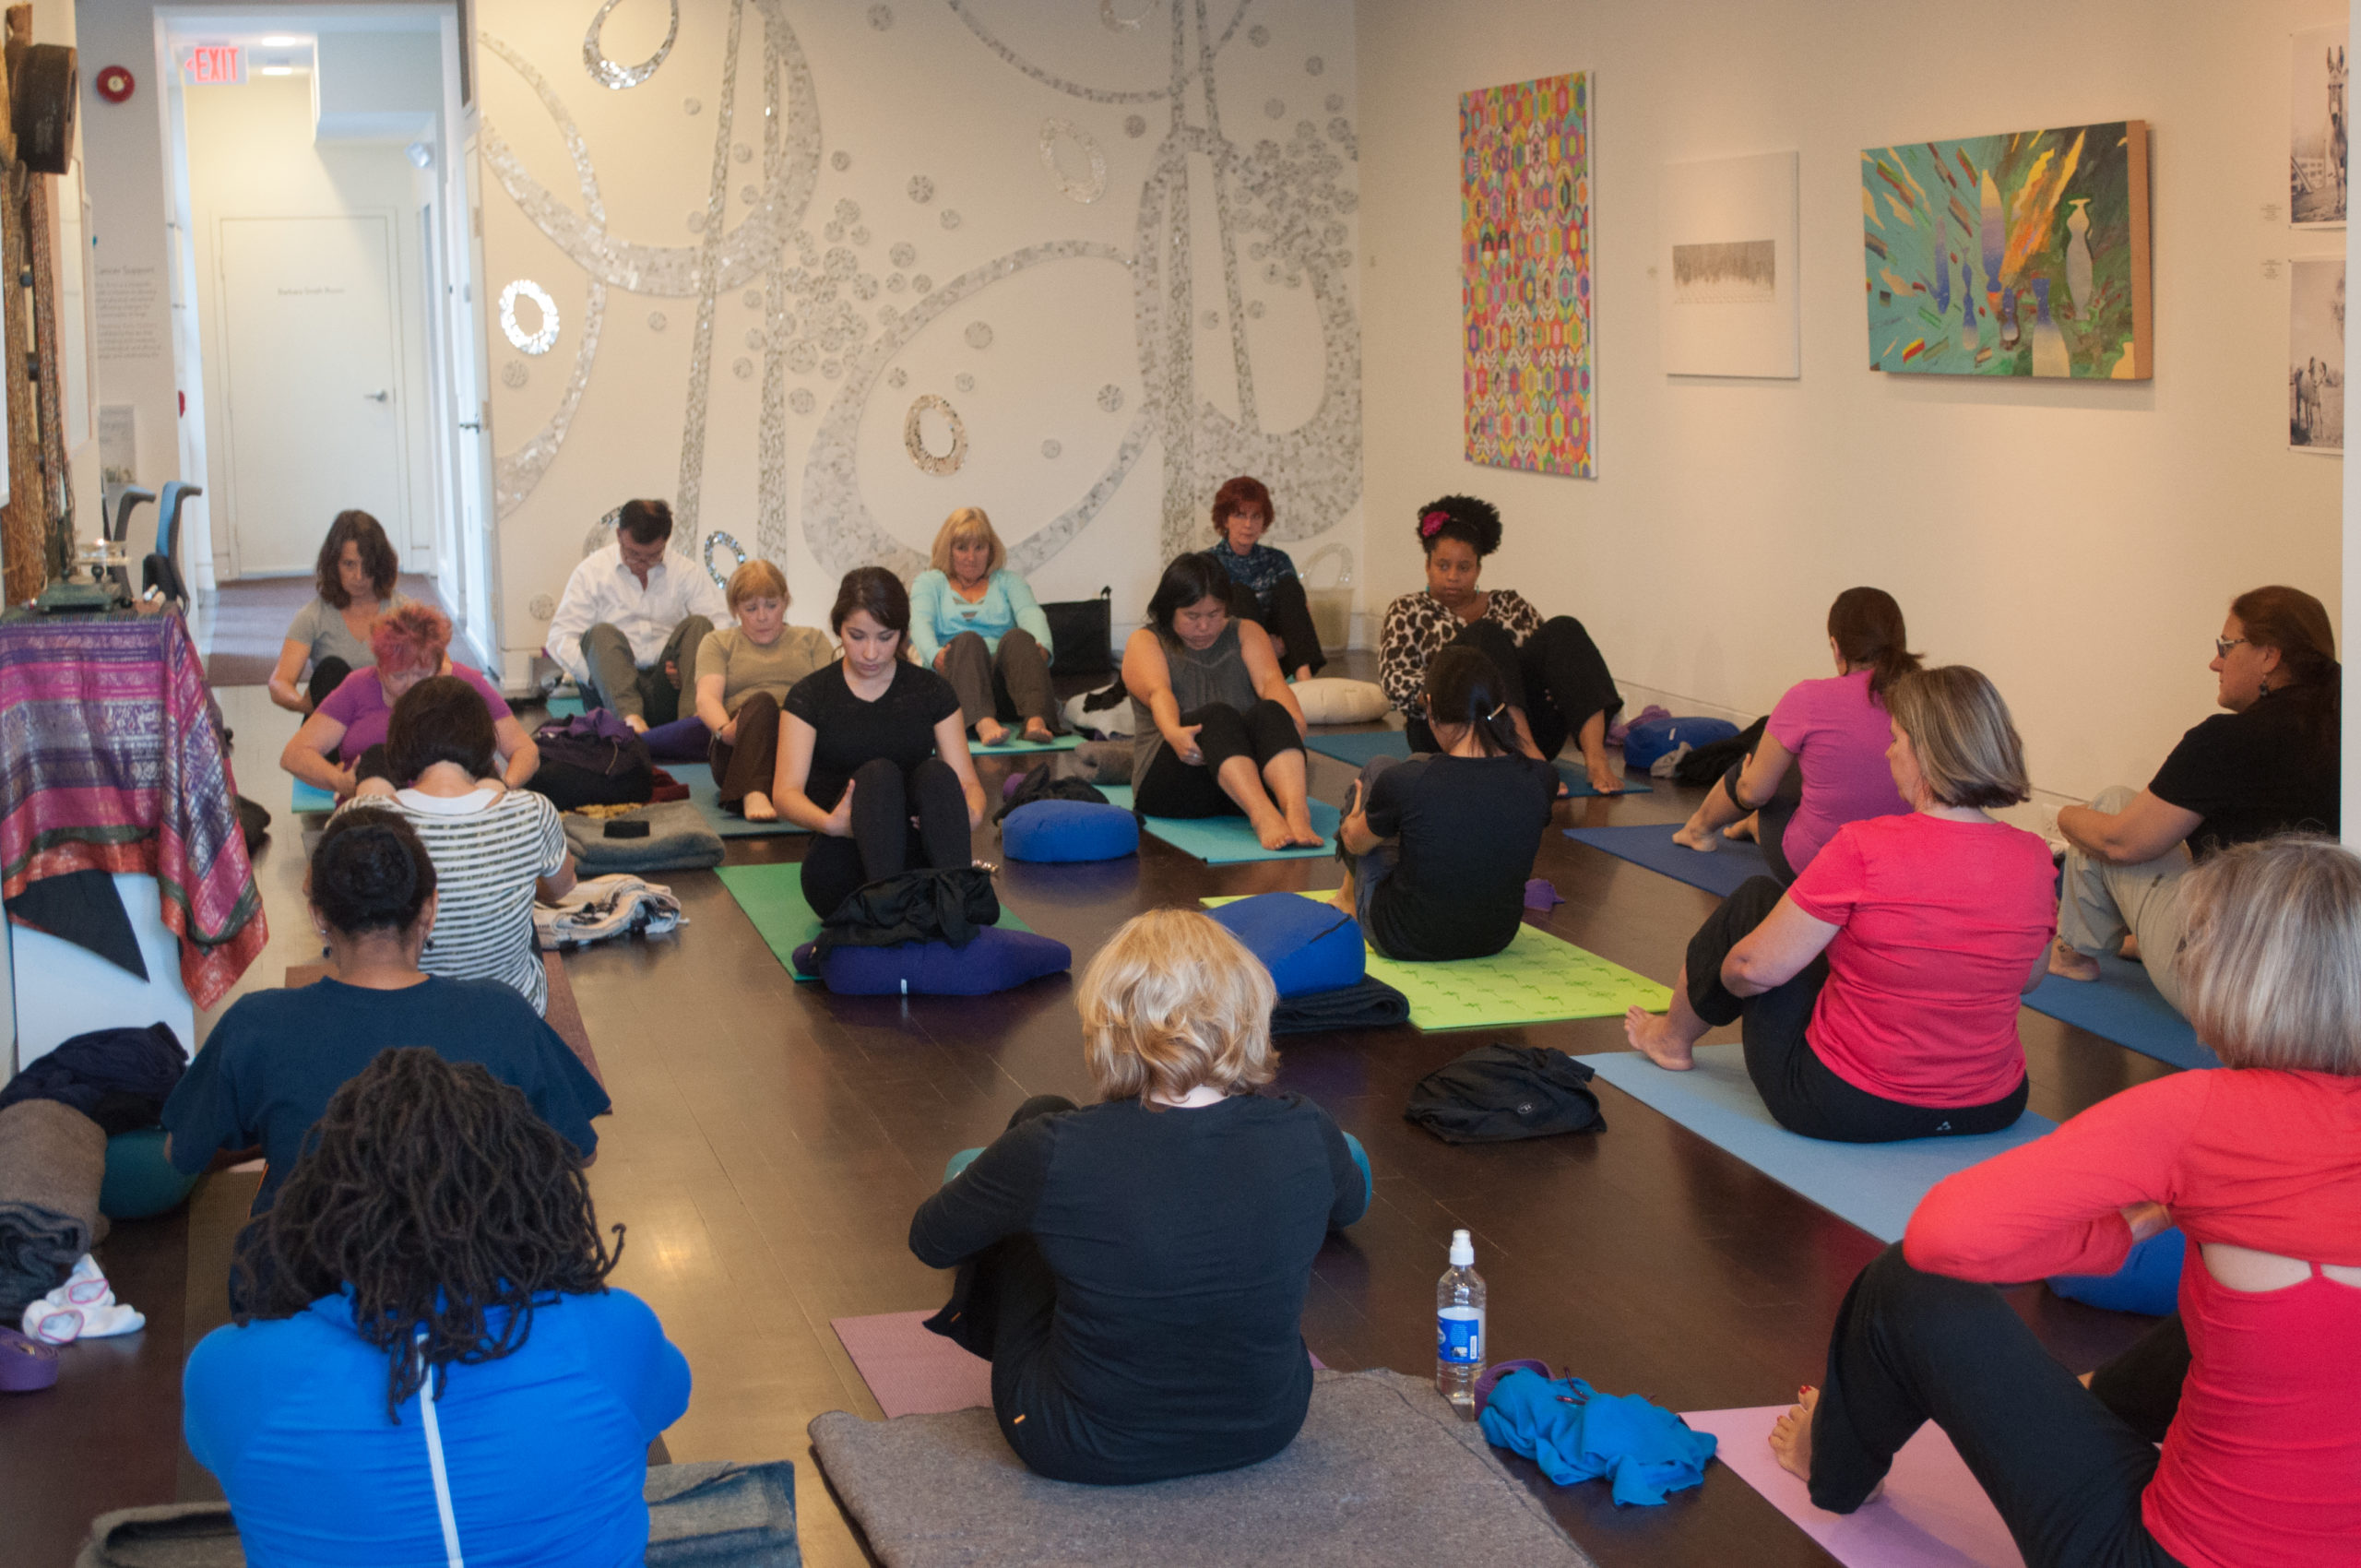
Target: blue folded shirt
x,y
1576,1433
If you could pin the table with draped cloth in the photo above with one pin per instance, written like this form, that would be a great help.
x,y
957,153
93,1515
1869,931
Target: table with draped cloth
x,y
113,762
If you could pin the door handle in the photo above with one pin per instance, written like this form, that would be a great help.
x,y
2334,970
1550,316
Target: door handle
x,y
379,395
471,424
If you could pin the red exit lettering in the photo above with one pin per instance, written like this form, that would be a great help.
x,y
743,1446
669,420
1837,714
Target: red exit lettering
x,y
215,65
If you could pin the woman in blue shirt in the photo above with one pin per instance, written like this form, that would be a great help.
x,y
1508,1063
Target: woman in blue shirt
x,y
437,1239
1264,587
976,623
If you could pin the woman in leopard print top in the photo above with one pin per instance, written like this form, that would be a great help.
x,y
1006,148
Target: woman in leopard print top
x,y
1559,684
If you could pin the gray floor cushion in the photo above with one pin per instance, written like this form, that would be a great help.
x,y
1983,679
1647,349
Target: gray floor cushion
x,y
679,839
1382,1473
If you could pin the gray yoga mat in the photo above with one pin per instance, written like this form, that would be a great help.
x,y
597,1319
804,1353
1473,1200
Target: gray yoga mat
x,y
1384,1474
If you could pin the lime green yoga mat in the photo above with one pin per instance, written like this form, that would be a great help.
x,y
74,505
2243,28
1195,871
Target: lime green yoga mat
x,y
772,896
1537,978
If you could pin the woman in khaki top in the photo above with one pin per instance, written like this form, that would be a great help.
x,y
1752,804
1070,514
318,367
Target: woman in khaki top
x,y
743,674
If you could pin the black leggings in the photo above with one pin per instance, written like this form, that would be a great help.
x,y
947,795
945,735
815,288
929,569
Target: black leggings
x,y
1289,619
1557,679
327,676
2064,1470
1173,787
1773,815
1802,1092
885,840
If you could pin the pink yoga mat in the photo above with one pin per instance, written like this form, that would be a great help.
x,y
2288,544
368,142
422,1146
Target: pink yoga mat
x,y
913,1372
1931,1514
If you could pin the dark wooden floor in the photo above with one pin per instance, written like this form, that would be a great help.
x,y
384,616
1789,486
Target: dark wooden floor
x,y
770,1143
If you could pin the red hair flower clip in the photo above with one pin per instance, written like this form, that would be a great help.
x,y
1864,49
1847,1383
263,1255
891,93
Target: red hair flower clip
x,y
1432,523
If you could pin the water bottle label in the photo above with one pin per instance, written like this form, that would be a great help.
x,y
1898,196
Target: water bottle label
x,y
1460,1339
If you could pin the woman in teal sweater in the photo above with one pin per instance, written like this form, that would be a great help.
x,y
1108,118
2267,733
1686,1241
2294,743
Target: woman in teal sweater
x,y
974,622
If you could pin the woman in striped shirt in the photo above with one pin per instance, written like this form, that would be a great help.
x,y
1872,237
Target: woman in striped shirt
x,y
492,848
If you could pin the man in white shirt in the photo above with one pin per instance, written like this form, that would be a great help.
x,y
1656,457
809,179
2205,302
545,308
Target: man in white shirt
x,y
633,619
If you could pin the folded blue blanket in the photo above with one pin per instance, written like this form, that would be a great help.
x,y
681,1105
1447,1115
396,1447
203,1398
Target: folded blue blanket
x,y
1576,1434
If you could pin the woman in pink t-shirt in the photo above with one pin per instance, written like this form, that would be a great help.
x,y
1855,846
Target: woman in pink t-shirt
x,y
1880,993
1821,762
411,642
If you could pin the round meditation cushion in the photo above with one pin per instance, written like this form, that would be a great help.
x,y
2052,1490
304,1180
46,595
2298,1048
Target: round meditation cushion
x,y
1308,945
1329,699
140,1183
998,959
2148,1282
1054,831
1653,738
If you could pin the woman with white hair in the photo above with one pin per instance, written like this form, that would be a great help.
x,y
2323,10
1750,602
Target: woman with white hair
x,y
976,623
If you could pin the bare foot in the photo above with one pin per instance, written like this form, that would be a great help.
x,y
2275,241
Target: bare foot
x,y
1603,778
2067,964
758,808
1037,732
638,725
1654,1036
1271,830
2130,948
1343,899
1748,827
1301,832
991,731
1688,836
1791,1434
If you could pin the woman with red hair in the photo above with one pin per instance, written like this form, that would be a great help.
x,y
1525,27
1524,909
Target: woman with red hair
x,y
1263,585
411,642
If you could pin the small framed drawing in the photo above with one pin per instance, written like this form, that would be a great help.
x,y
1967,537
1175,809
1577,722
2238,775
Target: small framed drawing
x,y
1726,267
2316,152
2315,355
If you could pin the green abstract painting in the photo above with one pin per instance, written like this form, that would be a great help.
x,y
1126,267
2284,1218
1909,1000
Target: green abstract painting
x,y
2016,255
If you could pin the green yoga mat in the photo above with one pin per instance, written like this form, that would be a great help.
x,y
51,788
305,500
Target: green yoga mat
x,y
773,898
1014,747
1228,840
1537,978
706,797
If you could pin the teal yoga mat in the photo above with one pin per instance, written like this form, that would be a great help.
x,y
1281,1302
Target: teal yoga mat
x,y
308,798
1228,840
1013,747
1875,1186
706,797
1358,746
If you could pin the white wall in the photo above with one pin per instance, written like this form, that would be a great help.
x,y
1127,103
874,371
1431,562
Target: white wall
x,y
2076,540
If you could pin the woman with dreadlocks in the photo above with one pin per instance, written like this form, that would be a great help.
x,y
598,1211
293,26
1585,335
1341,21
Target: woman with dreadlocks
x,y
431,1368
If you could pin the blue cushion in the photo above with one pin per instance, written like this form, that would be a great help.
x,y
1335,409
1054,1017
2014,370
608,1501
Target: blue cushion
x,y
1369,1178
2148,1282
1069,830
996,960
1308,946
1653,738
140,1183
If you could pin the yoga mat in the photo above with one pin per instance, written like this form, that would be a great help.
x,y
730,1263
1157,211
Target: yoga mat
x,y
1358,746
308,798
1718,871
705,795
1876,1186
563,1013
2124,1005
563,704
1931,1514
1013,747
1537,978
772,896
1227,840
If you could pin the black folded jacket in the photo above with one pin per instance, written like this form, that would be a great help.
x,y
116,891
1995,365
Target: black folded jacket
x,y
1369,1005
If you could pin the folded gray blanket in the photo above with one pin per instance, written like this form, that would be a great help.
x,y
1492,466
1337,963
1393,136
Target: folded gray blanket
x,y
679,839
52,1161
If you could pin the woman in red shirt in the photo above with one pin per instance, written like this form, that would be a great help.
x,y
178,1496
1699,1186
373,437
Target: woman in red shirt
x,y
2260,1164
1880,991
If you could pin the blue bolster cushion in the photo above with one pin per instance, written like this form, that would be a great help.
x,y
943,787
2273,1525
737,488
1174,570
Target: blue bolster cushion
x,y
1050,831
140,1183
1308,946
2148,1282
1653,738
998,959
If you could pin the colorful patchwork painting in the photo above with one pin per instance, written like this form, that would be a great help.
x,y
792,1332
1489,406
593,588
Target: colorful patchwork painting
x,y
2016,255
1526,258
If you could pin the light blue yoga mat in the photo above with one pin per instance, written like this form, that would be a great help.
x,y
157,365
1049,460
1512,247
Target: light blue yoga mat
x,y
1227,840
1014,747
1358,746
308,798
705,795
1719,871
2124,1005
1875,1186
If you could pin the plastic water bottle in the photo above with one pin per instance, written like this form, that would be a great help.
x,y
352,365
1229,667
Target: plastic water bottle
x,y
1459,1327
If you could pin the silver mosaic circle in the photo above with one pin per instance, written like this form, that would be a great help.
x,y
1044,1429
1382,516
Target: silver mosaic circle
x,y
514,374
720,578
964,382
743,368
1051,448
693,106
1087,189
903,254
752,299
801,400
750,194
696,222
1254,309
880,16
848,210
742,153
922,283
1335,104
1258,35
1110,398
1315,65
895,283
1115,21
656,321
803,356
914,435
1275,109
921,189
860,236
544,338
1135,125
1340,129
609,74
754,339
864,288
980,335
542,607
950,218
898,378
1211,319
830,369
887,315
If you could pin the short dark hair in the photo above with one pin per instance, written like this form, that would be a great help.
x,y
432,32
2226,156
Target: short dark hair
x,y
1190,579
440,720
1236,496
376,553
371,872
1464,518
878,592
648,522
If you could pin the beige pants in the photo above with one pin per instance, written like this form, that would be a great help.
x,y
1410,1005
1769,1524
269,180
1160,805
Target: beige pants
x,y
2100,904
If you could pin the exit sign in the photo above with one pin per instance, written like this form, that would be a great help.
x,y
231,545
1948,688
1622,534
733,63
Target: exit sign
x,y
214,65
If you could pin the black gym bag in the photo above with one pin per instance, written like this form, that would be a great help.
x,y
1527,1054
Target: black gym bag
x,y
1499,1092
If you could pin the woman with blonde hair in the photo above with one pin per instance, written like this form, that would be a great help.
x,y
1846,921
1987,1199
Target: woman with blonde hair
x,y
2260,1418
1135,1270
743,674
976,623
1880,991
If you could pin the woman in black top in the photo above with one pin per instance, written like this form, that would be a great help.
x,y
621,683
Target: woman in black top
x,y
2267,766
873,753
1135,1270
1437,849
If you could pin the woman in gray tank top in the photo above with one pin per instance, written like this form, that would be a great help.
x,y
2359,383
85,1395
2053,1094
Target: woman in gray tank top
x,y
1218,730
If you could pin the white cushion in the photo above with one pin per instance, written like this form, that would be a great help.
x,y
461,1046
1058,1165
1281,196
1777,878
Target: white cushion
x,y
1331,701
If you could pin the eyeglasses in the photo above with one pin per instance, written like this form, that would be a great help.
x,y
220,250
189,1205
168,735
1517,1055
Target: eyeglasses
x,y
2222,646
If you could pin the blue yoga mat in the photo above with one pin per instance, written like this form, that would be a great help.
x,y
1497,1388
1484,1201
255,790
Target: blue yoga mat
x,y
1875,1186
705,796
1717,872
1227,840
2124,1005
308,797
1358,746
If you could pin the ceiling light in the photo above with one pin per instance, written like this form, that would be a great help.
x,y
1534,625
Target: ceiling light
x,y
278,70
283,41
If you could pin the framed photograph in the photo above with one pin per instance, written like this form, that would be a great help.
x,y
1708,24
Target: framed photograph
x,y
1726,267
2316,134
2315,355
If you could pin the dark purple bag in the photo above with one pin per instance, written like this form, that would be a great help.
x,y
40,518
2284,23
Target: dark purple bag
x,y
593,759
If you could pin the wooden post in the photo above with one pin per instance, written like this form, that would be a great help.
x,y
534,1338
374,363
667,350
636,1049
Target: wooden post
x,y
35,541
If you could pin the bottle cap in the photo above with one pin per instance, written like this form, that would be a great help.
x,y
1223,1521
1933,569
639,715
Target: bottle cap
x,y
1463,1250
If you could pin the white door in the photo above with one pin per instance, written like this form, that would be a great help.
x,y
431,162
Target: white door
x,y
313,379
